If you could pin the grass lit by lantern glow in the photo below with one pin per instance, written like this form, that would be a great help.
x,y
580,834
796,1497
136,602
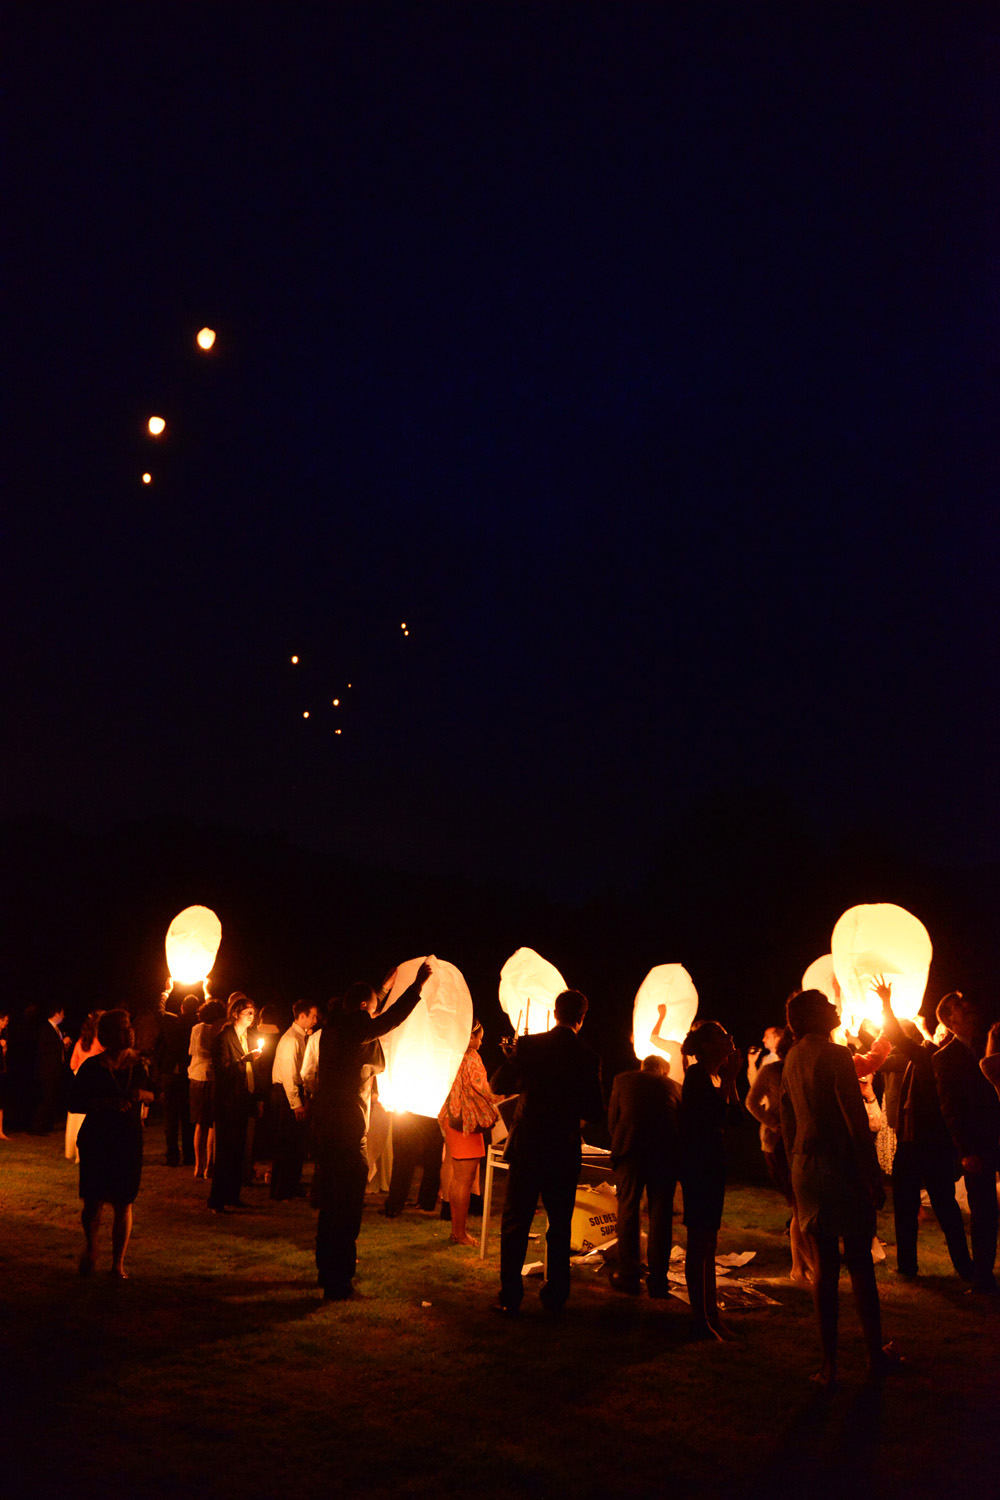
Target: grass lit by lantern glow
x,y
216,1371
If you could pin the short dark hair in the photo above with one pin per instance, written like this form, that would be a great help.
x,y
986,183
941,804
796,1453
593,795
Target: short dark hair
x,y
356,996
211,1010
808,1011
238,1003
571,1007
303,1007
189,1005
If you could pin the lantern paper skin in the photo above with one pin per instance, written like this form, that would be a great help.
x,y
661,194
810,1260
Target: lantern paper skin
x,y
880,940
423,1055
192,942
670,985
529,985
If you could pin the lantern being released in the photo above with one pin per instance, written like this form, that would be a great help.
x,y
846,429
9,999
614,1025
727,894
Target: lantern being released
x,y
192,942
529,985
669,986
874,941
423,1055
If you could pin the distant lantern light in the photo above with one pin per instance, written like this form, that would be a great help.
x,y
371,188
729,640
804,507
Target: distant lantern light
x,y
305,713
671,986
336,702
295,661
423,1055
880,941
529,985
206,338
402,625
193,939
338,731
147,478
156,425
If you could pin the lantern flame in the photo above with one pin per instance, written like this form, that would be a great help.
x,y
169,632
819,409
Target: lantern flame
x,y
193,939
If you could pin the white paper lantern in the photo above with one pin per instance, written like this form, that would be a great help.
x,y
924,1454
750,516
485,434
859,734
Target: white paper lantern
x,y
529,985
880,939
670,985
193,940
423,1055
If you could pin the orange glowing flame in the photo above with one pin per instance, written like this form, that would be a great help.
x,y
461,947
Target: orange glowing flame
x,y
156,425
206,338
147,478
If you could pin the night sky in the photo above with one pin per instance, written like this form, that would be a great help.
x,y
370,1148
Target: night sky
x,y
642,358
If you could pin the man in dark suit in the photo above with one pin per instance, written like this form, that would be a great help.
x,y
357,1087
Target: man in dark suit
x,y
50,1069
559,1083
645,1151
971,1111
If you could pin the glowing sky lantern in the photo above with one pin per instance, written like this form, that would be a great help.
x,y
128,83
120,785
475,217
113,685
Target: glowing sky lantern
x,y
529,985
880,939
147,478
820,976
156,426
423,1055
193,940
206,338
672,986
295,661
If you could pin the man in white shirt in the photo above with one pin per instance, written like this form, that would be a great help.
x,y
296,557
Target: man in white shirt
x,y
290,1103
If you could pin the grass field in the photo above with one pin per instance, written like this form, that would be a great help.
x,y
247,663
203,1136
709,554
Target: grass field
x,y
216,1371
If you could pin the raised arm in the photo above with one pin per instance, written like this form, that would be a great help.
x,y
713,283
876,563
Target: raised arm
x,y
404,1007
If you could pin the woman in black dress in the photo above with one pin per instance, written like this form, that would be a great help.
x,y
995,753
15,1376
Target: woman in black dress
x,y
110,1090
709,1092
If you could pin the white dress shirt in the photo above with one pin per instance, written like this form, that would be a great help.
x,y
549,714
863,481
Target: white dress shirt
x,y
287,1069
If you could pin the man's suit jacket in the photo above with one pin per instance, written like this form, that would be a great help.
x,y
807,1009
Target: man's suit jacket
x,y
969,1102
230,1082
643,1120
50,1055
558,1079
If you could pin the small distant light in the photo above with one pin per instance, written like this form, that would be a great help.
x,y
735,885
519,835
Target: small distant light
x,y
349,684
156,425
338,731
402,625
147,478
295,661
206,338
305,714
336,704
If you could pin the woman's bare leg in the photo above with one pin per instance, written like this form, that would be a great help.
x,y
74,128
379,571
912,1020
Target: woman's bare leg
x,y
121,1229
463,1173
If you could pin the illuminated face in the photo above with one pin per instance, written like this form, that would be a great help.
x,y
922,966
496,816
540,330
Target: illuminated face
x,y
307,1020
772,1036
245,1019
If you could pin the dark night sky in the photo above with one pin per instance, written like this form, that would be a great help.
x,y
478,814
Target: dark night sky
x,y
644,359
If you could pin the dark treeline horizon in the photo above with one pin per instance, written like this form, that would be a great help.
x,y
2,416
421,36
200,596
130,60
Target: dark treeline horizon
x,y
740,892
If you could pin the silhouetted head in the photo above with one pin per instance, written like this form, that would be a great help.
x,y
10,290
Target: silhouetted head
x,y
359,996
656,1064
811,1011
114,1032
570,1008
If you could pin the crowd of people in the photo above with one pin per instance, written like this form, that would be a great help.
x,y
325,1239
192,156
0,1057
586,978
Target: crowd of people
x,y
239,1094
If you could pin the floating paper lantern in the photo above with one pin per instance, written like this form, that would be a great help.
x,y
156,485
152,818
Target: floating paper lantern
x,y
880,940
295,661
670,985
423,1055
193,940
529,985
156,425
147,478
820,976
206,338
